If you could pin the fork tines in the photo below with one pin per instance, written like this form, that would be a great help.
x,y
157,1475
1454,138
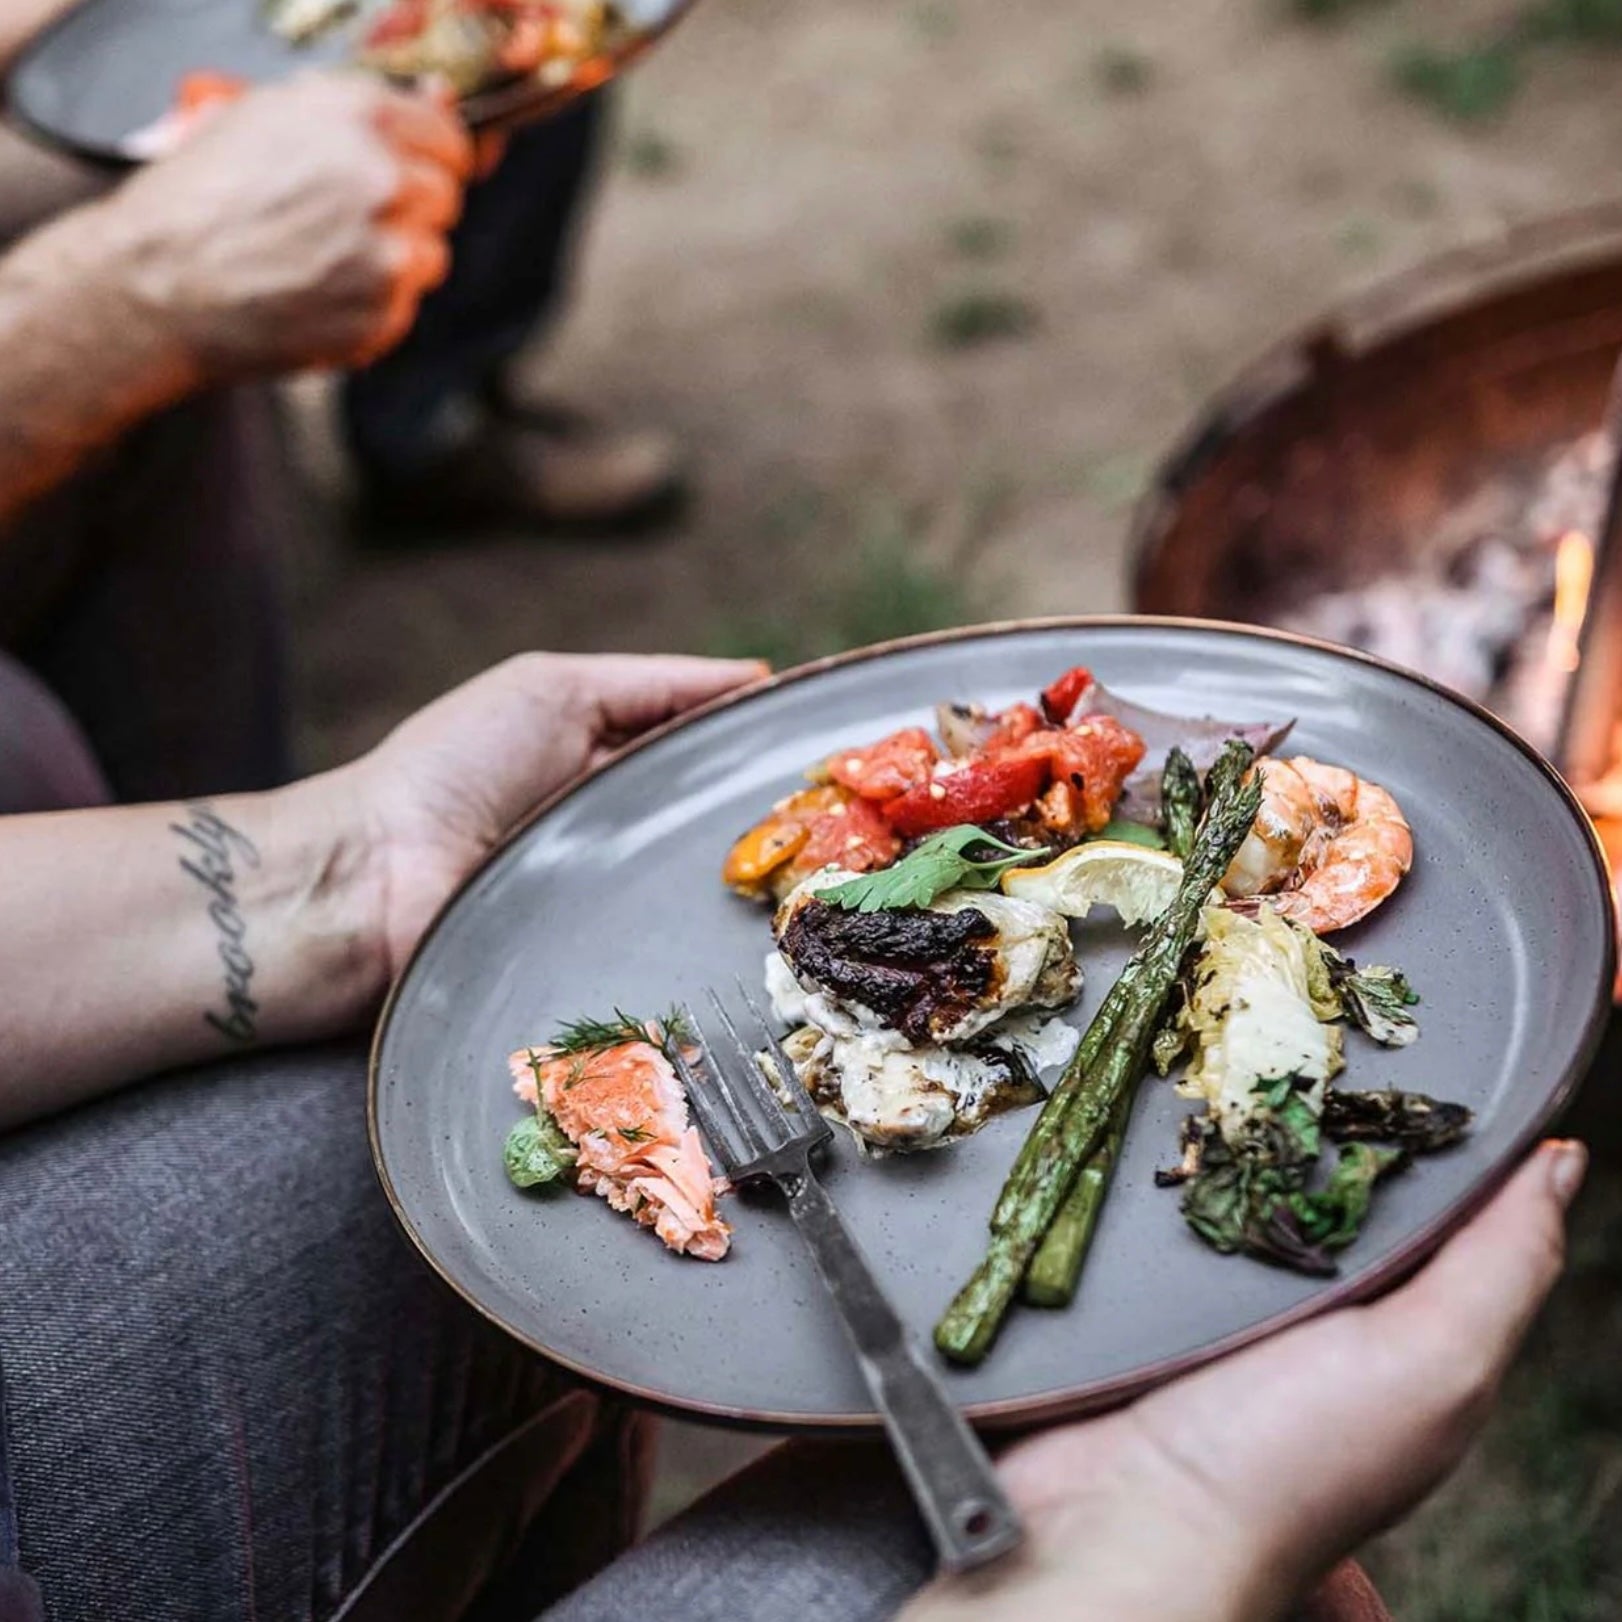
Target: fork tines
x,y
766,1113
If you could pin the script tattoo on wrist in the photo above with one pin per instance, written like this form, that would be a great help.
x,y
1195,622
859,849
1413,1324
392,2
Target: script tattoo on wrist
x,y
213,852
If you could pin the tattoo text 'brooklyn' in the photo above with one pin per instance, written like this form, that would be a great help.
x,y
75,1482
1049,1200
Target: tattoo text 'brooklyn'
x,y
212,854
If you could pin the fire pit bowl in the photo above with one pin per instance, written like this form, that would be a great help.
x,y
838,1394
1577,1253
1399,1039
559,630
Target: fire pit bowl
x,y
1372,447
1347,451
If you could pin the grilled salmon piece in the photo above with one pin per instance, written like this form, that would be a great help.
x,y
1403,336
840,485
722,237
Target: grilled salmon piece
x,y
624,1110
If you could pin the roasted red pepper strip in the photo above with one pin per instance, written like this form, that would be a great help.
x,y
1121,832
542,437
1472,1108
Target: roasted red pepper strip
x,y
981,791
1094,757
887,768
853,836
1014,725
1059,698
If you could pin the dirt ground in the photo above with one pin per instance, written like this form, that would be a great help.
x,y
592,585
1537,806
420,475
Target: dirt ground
x,y
803,195
813,211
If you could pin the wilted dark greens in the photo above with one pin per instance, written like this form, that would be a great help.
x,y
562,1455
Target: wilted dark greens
x,y
1412,1121
1255,1197
1375,1000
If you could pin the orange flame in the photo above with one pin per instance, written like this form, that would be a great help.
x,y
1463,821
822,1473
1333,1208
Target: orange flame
x,y
1602,799
1573,576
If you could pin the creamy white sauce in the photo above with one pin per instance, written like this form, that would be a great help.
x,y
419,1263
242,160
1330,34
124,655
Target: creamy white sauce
x,y
788,996
897,1095
1044,1040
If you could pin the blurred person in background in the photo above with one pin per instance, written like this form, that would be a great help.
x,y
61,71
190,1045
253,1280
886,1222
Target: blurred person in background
x,y
146,492
232,1391
441,429
146,497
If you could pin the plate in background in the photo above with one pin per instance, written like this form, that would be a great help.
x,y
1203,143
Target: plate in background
x,y
108,68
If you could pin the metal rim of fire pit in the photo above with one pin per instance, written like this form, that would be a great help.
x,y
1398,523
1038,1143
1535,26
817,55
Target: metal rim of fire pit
x,y
1385,1275
1325,462
1357,329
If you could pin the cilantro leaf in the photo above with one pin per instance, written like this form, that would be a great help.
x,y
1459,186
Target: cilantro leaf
x,y
1131,833
941,862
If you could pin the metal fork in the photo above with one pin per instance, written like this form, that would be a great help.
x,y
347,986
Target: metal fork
x,y
969,1518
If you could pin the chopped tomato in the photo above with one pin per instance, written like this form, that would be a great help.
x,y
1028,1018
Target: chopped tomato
x,y
1061,809
981,791
404,20
1093,758
886,768
1059,698
204,89
1014,725
853,836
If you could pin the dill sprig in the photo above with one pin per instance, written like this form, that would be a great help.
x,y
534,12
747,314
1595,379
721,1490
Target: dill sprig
x,y
597,1035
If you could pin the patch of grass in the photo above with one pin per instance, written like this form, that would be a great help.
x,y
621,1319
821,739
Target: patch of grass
x,y
1475,83
999,146
982,316
1574,22
935,20
887,590
652,156
1123,70
1472,85
980,237
1358,238
891,591
777,641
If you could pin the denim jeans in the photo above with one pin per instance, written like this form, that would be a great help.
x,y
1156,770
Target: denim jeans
x,y
234,1394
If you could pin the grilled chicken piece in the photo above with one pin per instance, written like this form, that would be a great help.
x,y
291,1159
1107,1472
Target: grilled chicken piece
x,y
893,1096
942,973
917,1024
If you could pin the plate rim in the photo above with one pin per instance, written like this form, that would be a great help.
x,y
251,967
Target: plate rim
x,y
498,107
1093,1396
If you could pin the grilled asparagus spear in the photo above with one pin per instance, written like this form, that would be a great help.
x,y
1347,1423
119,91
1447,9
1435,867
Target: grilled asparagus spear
x,y
1056,1267
1180,797
1076,1118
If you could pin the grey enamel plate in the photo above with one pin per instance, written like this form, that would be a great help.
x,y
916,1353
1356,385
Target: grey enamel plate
x,y
611,896
106,69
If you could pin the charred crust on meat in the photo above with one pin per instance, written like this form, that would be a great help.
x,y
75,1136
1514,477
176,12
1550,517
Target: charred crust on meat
x,y
913,968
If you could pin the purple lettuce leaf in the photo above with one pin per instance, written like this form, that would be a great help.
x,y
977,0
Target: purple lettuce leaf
x,y
1200,738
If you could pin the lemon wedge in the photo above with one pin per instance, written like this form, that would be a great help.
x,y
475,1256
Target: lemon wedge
x,y
1137,882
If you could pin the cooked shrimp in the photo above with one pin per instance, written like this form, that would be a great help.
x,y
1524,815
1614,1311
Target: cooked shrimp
x,y
1327,848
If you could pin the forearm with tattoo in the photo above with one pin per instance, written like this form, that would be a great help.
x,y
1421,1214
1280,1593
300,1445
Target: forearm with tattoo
x,y
142,937
212,851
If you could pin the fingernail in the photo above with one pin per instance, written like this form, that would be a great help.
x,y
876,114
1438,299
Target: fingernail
x,y
1568,1161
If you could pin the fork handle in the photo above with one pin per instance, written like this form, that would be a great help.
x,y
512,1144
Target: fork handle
x,y
957,1491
